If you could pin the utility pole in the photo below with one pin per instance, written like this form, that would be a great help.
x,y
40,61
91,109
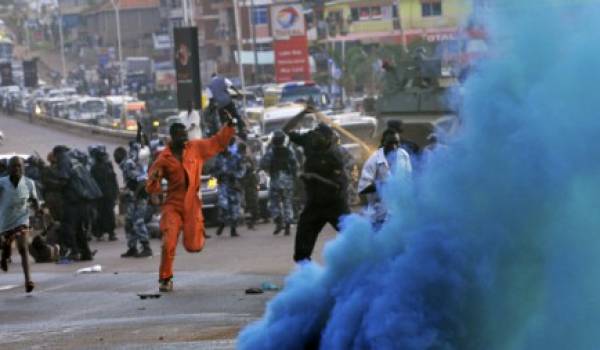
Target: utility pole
x,y
238,34
192,12
253,30
62,44
185,13
120,48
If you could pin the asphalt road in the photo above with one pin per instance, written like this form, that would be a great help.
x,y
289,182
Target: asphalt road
x,y
102,310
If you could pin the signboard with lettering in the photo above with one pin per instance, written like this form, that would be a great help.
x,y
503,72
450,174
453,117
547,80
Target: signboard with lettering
x,y
6,74
290,43
187,67
291,59
30,75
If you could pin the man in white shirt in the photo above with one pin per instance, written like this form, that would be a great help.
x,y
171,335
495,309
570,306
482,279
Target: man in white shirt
x,y
17,192
192,122
387,159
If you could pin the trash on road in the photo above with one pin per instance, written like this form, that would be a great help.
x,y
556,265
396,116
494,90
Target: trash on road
x,y
145,296
254,291
92,269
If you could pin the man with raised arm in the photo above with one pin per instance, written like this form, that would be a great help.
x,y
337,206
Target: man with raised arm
x,y
181,165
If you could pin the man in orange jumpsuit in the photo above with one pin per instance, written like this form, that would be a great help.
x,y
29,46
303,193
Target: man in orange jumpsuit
x,y
181,165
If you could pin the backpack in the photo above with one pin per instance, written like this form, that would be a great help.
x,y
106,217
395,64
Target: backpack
x,y
83,182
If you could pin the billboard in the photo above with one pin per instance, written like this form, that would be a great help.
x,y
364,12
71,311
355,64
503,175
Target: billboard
x,y
187,68
287,21
6,74
290,43
30,75
291,59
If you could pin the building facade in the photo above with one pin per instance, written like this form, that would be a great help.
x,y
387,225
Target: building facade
x,y
139,20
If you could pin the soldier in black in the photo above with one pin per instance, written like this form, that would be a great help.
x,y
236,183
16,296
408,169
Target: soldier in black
x,y
325,182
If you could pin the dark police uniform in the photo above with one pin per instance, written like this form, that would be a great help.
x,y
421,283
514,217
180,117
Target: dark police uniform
x,y
324,203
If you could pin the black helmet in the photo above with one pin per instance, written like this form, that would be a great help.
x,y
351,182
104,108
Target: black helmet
x,y
278,138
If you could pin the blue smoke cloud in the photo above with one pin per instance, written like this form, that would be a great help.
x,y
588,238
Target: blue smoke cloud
x,y
495,244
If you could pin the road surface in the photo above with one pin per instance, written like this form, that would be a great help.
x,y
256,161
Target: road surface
x,y
102,311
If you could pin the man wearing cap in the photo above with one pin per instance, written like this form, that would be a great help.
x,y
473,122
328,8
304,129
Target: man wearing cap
x,y
181,165
325,184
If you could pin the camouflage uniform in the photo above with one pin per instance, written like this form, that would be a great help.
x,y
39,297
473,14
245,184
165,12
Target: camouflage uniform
x,y
230,171
135,203
280,163
250,185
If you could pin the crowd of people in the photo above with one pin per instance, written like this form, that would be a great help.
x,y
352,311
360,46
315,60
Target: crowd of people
x,y
79,191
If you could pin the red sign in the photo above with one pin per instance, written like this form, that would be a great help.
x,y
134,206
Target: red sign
x,y
291,59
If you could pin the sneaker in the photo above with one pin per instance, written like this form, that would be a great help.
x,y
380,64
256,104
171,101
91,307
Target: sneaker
x,y
287,229
130,253
112,237
233,232
145,253
165,285
220,229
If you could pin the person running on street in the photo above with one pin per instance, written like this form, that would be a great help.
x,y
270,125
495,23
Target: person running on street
x,y
181,165
17,194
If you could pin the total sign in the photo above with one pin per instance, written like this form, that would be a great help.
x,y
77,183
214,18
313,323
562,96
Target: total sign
x,y
287,21
290,44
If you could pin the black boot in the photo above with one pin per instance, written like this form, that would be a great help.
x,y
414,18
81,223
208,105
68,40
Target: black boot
x,y
220,229
130,253
146,251
278,226
287,229
234,231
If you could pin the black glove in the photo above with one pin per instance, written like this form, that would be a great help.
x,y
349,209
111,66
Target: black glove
x,y
230,120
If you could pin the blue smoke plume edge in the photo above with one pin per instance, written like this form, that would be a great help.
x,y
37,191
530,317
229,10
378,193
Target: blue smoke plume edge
x,y
494,245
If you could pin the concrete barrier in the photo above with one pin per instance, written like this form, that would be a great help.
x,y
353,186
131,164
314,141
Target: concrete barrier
x,y
71,125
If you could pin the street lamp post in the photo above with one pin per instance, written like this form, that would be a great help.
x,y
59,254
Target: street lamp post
x,y
253,30
238,35
118,20
62,44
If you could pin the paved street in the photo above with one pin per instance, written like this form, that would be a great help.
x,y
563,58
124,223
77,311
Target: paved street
x,y
97,311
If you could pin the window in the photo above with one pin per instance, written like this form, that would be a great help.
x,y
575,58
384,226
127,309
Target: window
x,y
375,12
430,8
260,15
355,14
366,13
264,47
